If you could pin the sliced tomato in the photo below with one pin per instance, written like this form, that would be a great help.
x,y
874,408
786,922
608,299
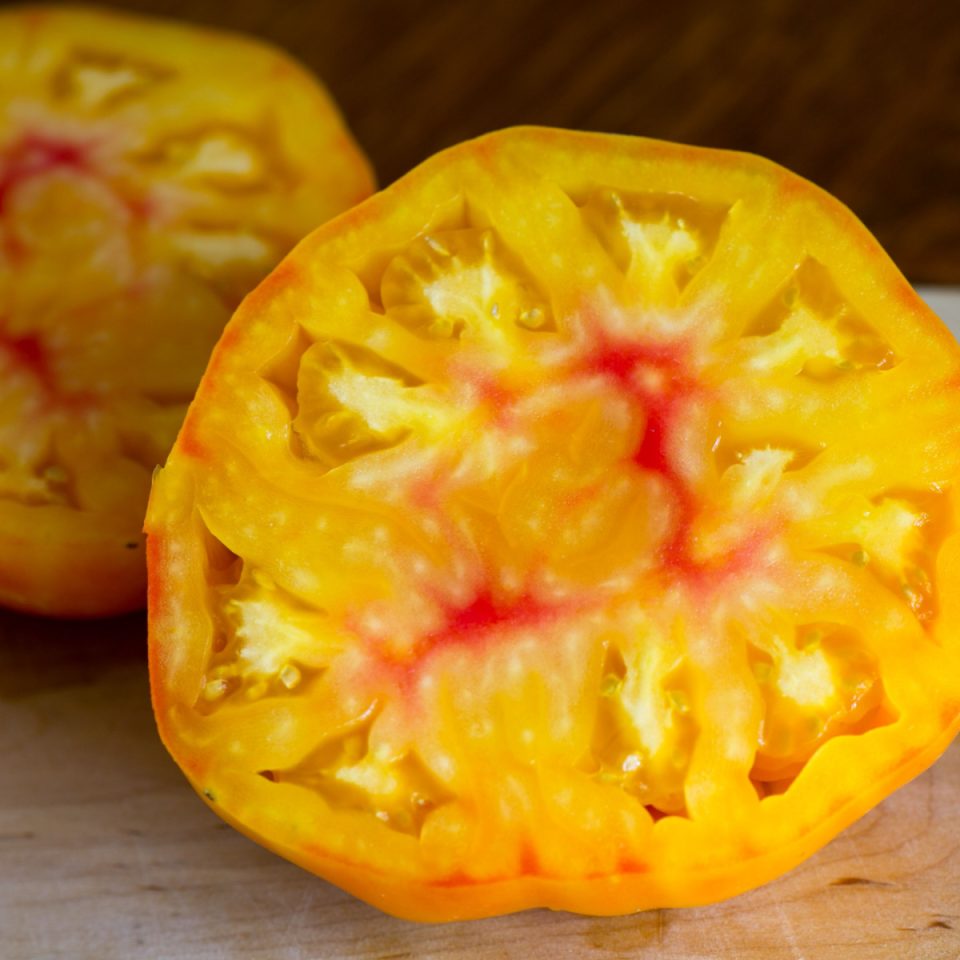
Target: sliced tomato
x,y
572,524
150,175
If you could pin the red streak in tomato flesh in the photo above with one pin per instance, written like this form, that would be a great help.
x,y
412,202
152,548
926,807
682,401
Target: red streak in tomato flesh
x,y
485,614
529,861
656,378
622,359
492,393
653,375
486,390
28,354
651,454
483,619
34,156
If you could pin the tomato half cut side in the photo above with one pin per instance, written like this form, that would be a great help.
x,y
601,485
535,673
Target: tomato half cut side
x,y
572,524
151,174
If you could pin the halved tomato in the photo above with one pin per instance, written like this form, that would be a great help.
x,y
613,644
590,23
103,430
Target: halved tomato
x,y
150,175
571,524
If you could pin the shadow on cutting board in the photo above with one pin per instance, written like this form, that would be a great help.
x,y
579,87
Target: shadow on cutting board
x,y
39,654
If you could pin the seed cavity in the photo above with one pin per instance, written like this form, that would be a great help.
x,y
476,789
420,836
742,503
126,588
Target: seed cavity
x,y
811,330
400,792
94,81
464,284
660,242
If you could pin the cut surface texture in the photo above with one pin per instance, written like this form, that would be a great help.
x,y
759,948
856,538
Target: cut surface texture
x,y
572,524
150,176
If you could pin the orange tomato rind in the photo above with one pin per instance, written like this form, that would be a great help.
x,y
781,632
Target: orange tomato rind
x,y
572,524
150,175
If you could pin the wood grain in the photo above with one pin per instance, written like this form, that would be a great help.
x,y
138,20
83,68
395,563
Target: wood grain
x,y
105,853
861,96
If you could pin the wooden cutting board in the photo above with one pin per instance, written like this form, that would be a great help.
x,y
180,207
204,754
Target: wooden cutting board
x,y
105,852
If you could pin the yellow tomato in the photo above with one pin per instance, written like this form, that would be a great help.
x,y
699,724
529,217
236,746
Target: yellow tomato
x,y
572,524
150,175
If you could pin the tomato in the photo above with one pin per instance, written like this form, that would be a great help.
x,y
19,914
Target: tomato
x,y
150,175
572,524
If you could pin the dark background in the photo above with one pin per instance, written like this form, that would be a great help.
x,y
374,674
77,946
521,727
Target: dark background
x,y
861,96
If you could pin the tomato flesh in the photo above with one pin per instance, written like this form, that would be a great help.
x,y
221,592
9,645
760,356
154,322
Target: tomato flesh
x,y
147,182
572,525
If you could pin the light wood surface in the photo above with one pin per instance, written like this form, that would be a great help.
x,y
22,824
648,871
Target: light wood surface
x,y
105,853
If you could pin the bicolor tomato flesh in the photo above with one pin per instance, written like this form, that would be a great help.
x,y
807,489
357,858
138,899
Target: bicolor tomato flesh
x,y
572,524
150,176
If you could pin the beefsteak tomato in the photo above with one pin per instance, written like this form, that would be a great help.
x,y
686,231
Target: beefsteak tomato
x,y
571,524
150,175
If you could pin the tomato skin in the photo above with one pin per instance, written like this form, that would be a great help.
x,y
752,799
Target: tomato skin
x,y
781,745
151,173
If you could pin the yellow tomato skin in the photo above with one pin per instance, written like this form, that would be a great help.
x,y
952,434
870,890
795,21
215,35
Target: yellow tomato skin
x,y
662,706
151,173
